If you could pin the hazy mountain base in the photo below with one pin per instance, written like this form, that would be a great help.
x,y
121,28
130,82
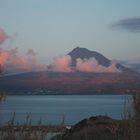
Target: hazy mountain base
x,y
73,78
50,83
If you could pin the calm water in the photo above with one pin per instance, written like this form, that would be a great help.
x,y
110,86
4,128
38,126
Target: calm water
x,y
51,108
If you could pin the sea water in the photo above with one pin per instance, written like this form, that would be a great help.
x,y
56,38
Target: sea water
x,y
56,109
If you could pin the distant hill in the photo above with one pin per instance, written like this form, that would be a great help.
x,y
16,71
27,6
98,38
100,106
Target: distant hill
x,y
74,82
135,67
84,53
70,83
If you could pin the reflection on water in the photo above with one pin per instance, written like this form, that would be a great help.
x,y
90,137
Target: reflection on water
x,y
54,109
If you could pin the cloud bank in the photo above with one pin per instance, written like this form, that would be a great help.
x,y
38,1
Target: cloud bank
x,y
91,65
128,24
62,64
3,36
12,62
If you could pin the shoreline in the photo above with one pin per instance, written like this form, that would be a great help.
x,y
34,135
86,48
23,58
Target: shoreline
x,y
24,94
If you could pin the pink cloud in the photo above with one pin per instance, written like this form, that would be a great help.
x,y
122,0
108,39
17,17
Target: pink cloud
x,y
62,64
31,52
31,55
11,61
4,55
91,65
3,36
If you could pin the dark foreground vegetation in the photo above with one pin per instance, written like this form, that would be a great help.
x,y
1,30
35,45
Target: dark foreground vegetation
x,y
106,128
93,128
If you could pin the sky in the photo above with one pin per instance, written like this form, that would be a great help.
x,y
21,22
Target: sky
x,y
54,27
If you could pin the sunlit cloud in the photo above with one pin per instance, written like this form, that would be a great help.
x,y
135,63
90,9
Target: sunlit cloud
x,y
31,52
3,36
11,61
91,65
61,64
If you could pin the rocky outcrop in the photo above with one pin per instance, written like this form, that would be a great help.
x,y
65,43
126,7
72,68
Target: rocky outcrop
x,y
99,127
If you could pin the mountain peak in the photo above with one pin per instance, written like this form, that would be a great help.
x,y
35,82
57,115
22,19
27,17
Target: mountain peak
x,y
78,49
84,53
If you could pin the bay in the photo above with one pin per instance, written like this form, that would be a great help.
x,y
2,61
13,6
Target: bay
x,y
54,109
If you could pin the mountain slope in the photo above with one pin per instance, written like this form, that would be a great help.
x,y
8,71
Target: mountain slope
x,y
74,82
70,83
85,53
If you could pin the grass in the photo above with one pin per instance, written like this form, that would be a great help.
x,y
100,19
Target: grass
x,y
2,97
14,131
27,131
126,129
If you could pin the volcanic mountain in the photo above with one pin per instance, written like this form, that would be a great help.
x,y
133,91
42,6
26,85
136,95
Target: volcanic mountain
x,y
74,82
84,53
